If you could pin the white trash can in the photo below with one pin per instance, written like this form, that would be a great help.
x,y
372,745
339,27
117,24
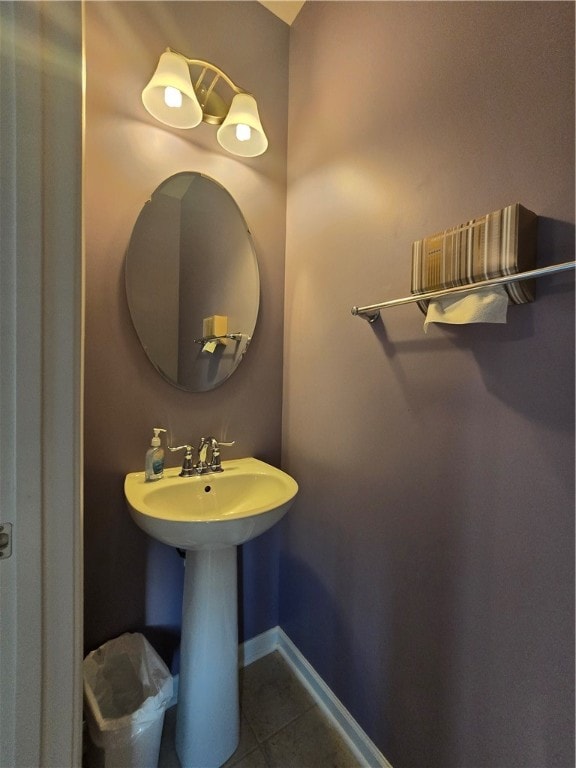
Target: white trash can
x,y
127,688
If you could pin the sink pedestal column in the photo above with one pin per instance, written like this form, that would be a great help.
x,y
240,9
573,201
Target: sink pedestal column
x,y
207,716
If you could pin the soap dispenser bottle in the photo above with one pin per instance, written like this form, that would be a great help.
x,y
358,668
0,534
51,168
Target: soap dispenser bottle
x,y
154,468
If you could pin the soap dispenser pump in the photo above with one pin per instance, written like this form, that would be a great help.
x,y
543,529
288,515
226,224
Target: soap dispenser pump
x,y
154,467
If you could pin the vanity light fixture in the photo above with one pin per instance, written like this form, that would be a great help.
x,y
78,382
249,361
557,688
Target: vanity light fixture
x,y
173,99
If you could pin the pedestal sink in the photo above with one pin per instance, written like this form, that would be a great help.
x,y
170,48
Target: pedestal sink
x,y
209,515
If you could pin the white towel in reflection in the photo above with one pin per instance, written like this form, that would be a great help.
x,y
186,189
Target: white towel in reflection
x,y
486,305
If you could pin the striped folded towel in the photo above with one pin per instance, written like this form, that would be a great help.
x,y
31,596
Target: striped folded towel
x,y
498,244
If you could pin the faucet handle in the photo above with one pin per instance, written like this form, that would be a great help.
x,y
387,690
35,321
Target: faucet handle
x,y
187,448
213,443
216,465
187,465
216,444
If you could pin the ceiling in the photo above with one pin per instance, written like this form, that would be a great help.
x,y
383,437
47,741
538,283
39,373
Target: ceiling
x,y
287,10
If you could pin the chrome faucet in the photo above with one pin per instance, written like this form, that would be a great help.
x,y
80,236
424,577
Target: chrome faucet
x,y
202,466
214,465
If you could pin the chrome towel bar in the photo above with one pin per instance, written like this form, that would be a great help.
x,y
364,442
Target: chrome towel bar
x,y
372,311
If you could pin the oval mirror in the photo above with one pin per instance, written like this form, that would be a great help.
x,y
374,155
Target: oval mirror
x,y
192,282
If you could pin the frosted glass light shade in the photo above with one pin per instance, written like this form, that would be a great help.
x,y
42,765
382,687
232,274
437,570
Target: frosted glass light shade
x,y
243,111
172,72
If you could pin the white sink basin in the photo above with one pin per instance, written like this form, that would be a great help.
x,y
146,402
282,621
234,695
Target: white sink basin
x,y
208,515
211,511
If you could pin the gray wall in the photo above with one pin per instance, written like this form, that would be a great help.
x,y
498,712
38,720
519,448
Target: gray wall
x,y
427,568
130,580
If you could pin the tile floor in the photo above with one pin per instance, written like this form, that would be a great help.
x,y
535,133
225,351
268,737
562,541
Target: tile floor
x,y
281,726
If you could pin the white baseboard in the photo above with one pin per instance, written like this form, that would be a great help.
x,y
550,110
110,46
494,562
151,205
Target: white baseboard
x,y
258,646
275,639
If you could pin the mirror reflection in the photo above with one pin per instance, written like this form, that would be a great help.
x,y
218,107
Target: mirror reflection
x,y
192,282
